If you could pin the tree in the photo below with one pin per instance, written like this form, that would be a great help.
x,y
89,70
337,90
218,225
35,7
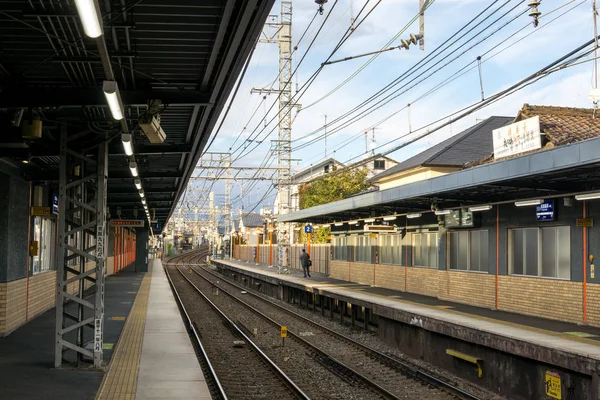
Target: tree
x,y
336,186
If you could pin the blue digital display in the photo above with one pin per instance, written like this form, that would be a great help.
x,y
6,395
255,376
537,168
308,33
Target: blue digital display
x,y
55,203
545,211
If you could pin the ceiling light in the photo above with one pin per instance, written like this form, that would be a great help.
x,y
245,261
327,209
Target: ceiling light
x,y
142,194
588,196
353,222
369,220
113,98
528,202
90,17
338,223
481,208
138,184
389,218
127,146
442,212
417,215
133,168
25,161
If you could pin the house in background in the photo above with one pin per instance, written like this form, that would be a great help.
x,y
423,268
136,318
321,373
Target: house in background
x,y
250,226
451,155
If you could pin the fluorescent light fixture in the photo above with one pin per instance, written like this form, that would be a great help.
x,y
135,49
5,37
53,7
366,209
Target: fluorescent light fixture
x,y
353,222
133,168
442,212
144,202
113,98
142,194
528,202
389,218
127,146
138,184
338,223
296,229
416,215
90,18
481,208
369,220
588,196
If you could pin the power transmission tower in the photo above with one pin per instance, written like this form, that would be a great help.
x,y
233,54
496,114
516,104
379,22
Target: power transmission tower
x,y
283,37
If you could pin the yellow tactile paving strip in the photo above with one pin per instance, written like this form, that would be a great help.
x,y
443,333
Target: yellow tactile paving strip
x,y
120,381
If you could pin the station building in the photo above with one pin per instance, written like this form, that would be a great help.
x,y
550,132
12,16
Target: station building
x,y
500,216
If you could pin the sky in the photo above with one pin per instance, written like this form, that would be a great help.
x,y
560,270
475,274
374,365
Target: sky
x,y
563,26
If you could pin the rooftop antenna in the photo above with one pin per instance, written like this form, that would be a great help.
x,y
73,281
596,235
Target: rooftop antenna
x,y
325,135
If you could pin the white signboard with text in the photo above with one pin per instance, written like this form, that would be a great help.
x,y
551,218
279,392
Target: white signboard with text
x,y
517,138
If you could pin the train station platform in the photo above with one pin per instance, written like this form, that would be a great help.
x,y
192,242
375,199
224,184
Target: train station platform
x,y
27,354
154,358
402,317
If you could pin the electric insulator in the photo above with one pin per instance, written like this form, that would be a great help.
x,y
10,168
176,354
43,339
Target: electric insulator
x,y
321,3
535,13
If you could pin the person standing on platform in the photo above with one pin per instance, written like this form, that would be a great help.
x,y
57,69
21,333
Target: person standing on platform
x,y
304,262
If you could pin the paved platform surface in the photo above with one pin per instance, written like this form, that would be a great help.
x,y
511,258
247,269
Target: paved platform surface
x,y
27,354
564,338
169,368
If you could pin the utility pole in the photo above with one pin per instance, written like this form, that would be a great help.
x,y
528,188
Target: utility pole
x,y
283,37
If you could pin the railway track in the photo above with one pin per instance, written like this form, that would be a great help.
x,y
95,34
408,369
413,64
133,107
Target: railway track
x,y
381,367
355,363
236,367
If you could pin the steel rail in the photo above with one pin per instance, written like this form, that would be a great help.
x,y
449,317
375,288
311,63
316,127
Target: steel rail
x,y
282,375
403,366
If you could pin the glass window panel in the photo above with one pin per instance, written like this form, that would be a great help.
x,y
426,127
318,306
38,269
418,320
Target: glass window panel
x,y
484,258
564,252
517,251
453,246
475,253
433,250
531,252
463,250
417,249
549,251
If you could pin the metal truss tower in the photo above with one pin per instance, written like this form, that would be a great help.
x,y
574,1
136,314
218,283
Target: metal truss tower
x,y
81,251
283,37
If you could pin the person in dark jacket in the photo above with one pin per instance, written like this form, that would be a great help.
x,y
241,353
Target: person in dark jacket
x,y
304,262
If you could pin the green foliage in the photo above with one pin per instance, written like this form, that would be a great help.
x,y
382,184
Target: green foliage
x,y
333,187
319,235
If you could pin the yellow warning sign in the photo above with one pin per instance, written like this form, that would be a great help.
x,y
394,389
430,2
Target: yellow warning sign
x,y
284,331
553,385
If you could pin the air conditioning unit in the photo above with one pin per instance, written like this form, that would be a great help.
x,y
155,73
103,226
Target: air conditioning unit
x,y
380,228
151,127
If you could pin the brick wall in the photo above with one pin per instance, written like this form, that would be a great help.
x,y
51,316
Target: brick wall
x,y
42,293
13,300
361,273
471,288
547,298
339,269
422,281
593,304
389,276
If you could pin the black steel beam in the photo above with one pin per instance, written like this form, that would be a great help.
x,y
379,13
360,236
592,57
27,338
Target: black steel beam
x,y
9,150
73,97
134,191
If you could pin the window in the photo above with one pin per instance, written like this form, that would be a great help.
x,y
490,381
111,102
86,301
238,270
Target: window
x,y
326,169
391,249
468,250
544,252
340,248
425,247
44,232
362,248
379,164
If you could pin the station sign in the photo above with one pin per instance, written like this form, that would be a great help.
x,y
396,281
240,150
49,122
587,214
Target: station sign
x,y
585,222
308,229
545,211
517,138
55,203
40,211
130,223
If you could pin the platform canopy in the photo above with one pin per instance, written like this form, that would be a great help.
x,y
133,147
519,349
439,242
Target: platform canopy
x,y
186,53
559,172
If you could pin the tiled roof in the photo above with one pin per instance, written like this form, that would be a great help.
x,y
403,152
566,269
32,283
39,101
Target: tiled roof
x,y
253,220
471,144
561,125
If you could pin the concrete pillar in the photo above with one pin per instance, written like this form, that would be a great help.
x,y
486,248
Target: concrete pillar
x,y
141,249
